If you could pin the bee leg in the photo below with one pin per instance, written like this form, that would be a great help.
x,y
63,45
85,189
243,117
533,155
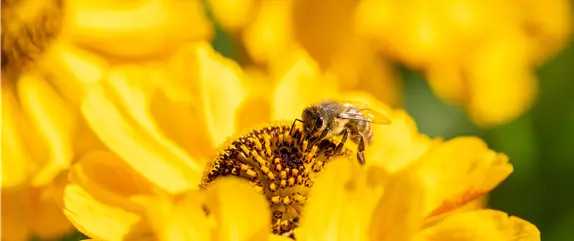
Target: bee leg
x,y
323,134
343,140
361,149
293,125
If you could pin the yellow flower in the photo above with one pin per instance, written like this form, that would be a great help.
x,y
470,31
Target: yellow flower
x,y
146,28
53,53
160,134
147,186
37,144
476,54
277,33
38,126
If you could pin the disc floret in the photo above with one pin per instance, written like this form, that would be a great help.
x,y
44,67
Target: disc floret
x,y
280,163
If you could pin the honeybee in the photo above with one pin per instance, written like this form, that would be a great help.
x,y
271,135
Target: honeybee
x,y
341,118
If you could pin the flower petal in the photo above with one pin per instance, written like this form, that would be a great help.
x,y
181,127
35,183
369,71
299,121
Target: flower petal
x,y
459,171
118,113
233,14
269,38
72,69
491,84
177,108
241,213
397,144
15,215
97,219
49,222
481,225
108,178
399,213
341,203
53,120
360,69
130,31
323,32
222,92
301,86
180,220
17,158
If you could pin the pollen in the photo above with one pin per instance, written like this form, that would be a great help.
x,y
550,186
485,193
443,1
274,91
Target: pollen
x,y
279,162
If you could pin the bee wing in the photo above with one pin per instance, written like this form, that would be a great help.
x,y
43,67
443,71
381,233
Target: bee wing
x,y
366,114
356,104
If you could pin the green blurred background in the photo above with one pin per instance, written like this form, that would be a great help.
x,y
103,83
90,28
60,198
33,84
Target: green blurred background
x,y
540,143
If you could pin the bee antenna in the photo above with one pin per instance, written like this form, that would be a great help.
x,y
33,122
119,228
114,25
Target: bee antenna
x,y
293,125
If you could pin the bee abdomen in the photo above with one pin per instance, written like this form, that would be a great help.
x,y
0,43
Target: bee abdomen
x,y
368,134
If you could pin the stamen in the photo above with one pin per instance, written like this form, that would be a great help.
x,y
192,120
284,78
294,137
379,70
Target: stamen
x,y
282,165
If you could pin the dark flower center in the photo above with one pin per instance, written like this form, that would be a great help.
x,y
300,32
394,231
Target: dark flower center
x,y
282,165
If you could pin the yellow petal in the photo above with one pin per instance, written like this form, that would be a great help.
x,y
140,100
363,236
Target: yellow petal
x,y
233,14
341,203
553,21
269,37
136,29
15,215
72,69
54,121
247,118
399,213
481,225
98,219
106,177
259,98
17,160
301,86
26,213
459,171
184,125
372,17
48,220
222,92
500,73
180,220
119,115
447,82
241,213
177,109
359,68
395,145
322,33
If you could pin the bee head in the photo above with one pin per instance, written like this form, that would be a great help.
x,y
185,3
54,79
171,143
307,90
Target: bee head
x,y
313,119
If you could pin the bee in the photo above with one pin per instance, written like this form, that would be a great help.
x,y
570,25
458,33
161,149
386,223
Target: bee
x,y
351,120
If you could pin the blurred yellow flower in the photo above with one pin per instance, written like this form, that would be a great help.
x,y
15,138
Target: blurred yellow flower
x,y
37,136
135,29
50,62
480,55
146,186
475,54
274,33
38,126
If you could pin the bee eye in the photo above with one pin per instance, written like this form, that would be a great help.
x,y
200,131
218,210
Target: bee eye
x,y
319,121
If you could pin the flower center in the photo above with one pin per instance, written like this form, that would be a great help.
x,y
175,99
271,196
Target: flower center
x,y
28,27
281,164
